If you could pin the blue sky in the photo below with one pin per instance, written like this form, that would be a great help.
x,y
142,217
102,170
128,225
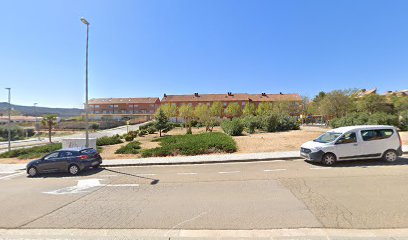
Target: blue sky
x,y
151,47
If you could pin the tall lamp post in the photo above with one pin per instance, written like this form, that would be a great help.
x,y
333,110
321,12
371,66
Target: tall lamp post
x,y
86,85
37,127
9,119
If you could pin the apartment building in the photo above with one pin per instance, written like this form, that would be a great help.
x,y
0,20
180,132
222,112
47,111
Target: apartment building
x,y
119,108
241,98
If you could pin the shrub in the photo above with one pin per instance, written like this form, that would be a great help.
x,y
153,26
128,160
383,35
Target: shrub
x,y
130,148
403,122
129,138
192,145
232,128
16,132
133,133
287,123
365,119
146,126
102,141
151,130
142,132
250,123
33,152
269,122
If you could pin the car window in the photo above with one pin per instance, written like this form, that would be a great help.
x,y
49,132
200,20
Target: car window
x,y
51,156
347,138
378,134
88,151
66,154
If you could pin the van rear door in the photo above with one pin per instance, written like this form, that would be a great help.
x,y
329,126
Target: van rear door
x,y
376,141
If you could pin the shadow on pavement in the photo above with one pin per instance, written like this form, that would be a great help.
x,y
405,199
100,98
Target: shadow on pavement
x,y
153,182
364,163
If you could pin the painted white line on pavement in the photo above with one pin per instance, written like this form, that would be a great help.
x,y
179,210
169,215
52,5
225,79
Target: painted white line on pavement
x,y
146,174
275,170
320,168
229,172
81,187
123,185
11,176
187,173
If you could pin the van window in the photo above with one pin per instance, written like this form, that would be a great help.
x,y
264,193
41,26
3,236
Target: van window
x,y
327,137
378,134
347,138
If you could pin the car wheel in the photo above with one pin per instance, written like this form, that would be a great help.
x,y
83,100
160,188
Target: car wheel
x,y
32,172
329,159
73,169
390,156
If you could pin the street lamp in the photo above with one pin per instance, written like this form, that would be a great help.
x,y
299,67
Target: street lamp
x,y
37,127
86,85
9,119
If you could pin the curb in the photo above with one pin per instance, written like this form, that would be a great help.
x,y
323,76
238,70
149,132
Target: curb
x,y
206,162
200,162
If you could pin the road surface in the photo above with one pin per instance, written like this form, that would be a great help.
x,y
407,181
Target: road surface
x,y
257,195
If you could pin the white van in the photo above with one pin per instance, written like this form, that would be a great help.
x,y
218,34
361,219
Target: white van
x,y
354,142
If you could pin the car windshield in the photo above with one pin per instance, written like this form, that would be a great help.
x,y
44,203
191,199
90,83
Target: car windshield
x,y
327,137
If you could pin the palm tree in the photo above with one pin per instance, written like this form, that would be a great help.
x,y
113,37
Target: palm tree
x,y
49,121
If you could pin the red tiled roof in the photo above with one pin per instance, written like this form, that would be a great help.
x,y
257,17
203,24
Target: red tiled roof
x,y
121,100
233,97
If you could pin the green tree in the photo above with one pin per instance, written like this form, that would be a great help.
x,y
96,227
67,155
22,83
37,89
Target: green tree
x,y
187,113
264,108
233,110
373,103
49,121
202,113
249,110
216,110
336,104
400,103
169,110
161,121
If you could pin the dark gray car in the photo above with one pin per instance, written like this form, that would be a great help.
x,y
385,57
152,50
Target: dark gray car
x,y
66,160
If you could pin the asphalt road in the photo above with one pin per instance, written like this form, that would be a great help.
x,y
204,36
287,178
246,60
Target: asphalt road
x,y
260,195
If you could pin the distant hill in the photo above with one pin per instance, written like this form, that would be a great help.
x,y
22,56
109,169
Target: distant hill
x,y
30,111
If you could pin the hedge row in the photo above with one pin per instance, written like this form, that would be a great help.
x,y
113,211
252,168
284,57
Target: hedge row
x,y
196,144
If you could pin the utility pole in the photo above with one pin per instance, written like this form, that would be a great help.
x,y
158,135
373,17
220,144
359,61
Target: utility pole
x,y
86,85
9,119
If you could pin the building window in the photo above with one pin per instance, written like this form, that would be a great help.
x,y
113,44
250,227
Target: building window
x,y
96,112
96,106
115,106
124,111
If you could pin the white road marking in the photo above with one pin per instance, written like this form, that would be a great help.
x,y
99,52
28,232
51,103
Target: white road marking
x,y
81,187
320,168
123,185
187,173
275,170
229,172
11,176
146,174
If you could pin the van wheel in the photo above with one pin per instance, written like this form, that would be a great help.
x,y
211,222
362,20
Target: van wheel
x,y
329,159
73,169
390,156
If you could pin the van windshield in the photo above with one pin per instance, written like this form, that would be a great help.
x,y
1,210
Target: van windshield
x,y
327,137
